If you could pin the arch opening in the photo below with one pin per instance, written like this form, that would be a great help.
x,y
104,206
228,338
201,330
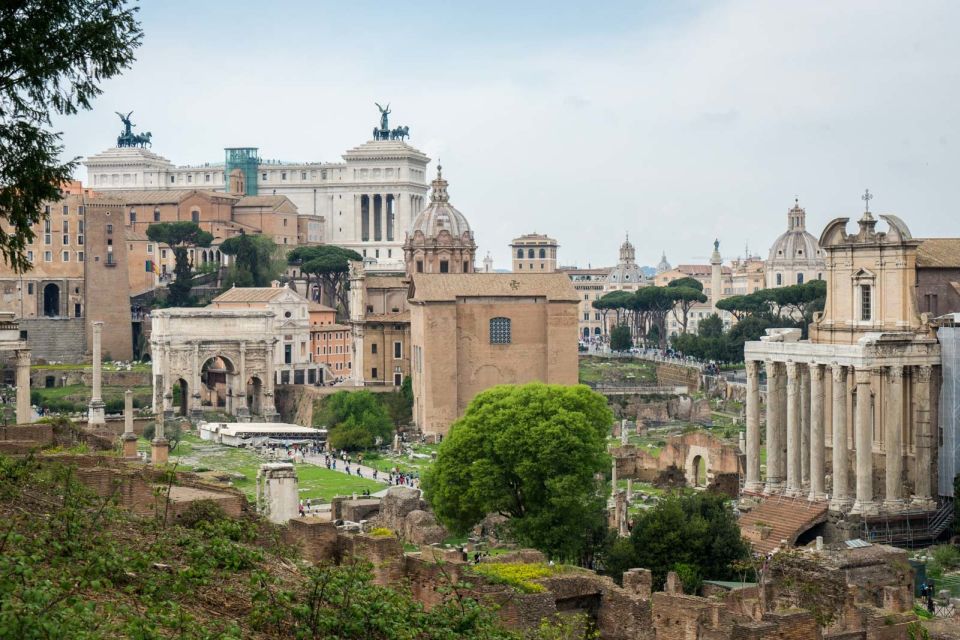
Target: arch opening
x,y
51,300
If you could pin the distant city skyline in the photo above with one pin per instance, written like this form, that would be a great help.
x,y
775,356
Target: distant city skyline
x,y
679,123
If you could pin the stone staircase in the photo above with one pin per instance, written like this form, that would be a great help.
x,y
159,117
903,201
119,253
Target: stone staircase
x,y
778,518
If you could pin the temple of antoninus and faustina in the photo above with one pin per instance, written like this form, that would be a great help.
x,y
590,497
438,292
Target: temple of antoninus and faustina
x,y
851,413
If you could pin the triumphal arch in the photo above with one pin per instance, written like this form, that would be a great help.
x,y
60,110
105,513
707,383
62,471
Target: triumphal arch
x,y
213,359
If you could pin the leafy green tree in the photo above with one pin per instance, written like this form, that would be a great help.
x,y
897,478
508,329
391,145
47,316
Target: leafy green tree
x,y
255,260
684,298
620,338
356,420
180,236
53,57
687,283
656,303
330,265
710,327
744,306
694,534
529,453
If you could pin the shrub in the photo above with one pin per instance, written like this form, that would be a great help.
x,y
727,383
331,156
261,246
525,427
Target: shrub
x,y
381,532
517,575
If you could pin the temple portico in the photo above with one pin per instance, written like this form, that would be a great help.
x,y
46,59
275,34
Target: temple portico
x,y
873,421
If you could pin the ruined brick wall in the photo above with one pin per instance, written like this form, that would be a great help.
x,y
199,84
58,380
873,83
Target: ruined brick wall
x,y
675,374
23,438
385,553
316,539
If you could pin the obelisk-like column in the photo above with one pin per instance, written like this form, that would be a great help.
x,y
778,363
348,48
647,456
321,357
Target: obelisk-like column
x,y
774,418
863,432
817,443
894,439
613,478
129,438
793,430
24,410
753,483
95,411
159,446
840,496
925,440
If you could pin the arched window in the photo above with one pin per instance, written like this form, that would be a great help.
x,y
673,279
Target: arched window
x,y
519,253
543,253
529,253
499,330
799,278
779,279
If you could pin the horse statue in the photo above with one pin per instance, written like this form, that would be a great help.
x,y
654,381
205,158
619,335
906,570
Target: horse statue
x,y
143,140
400,133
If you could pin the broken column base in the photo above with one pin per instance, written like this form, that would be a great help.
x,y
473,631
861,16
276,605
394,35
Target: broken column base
x,y
96,412
129,441
159,451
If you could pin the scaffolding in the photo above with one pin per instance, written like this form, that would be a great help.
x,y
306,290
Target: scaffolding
x,y
949,337
247,160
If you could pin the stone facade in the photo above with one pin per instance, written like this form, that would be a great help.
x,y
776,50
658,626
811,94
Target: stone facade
x,y
106,289
855,404
534,253
473,331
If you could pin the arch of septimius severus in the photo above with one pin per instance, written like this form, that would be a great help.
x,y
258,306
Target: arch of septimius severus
x,y
239,344
851,413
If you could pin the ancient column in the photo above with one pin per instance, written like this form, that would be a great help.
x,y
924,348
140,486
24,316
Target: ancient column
x,y
804,373
129,438
24,410
196,402
629,489
774,446
925,443
613,478
863,432
269,406
159,446
793,430
817,444
240,399
95,410
840,495
894,439
753,483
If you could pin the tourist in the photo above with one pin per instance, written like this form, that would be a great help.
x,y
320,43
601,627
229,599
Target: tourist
x,y
359,472
348,469
301,509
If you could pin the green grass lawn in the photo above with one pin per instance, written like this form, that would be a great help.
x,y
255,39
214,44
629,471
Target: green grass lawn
x,y
319,482
623,371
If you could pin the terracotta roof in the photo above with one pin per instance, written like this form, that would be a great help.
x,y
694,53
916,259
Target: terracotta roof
x,y
316,306
403,316
939,253
385,282
435,287
261,201
159,197
251,294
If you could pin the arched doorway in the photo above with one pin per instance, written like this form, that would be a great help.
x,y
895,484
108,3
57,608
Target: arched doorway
x,y
586,332
181,396
255,395
699,472
215,376
51,300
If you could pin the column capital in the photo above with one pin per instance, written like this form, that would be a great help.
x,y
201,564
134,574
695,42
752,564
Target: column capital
x,y
895,373
753,368
792,369
23,357
97,325
925,372
838,371
816,370
862,376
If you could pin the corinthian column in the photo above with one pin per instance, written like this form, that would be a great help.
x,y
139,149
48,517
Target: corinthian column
x,y
925,442
95,411
817,445
840,499
863,431
753,427
793,430
774,451
804,374
894,439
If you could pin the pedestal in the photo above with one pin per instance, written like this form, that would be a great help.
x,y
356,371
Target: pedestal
x,y
159,451
96,412
129,441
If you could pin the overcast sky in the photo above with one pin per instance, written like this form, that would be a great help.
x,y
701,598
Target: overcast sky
x,y
676,122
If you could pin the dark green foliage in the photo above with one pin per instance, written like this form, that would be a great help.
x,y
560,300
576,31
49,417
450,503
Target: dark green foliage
x,y
172,431
357,420
620,338
399,404
710,327
179,236
687,283
529,453
330,265
53,56
697,534
255,261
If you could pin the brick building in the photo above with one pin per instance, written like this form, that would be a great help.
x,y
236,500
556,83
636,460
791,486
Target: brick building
x,y
330,342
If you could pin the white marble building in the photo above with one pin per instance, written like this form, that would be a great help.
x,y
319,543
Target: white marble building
x,y
367,201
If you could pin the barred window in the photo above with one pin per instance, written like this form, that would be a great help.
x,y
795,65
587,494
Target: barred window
x,y
500,331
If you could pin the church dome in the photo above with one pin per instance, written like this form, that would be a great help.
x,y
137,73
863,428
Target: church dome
x,y
626,272
797,246
440,215
663,265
